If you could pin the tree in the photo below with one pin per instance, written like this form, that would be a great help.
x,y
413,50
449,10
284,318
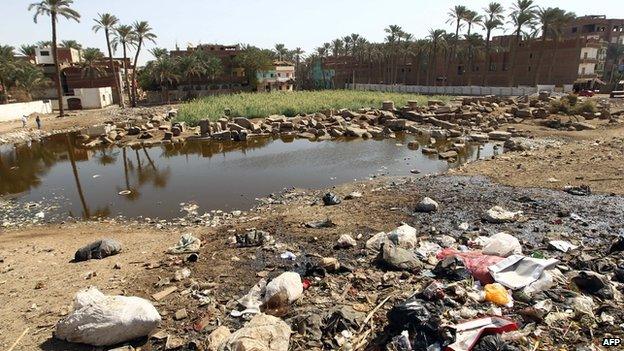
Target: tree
x,y
124,36
142,33
164,72
280,51
475,45
494,20
437,39
7,70
159,52
322,53
188,66
522,16
30,78
472,17
337,47
44,43
107,22
297,53
456,15
71,44
91,64
253,60
28,50
562,19
55,8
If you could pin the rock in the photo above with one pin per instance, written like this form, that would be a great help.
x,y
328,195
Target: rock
x,y
262,333
217,337
330,199
330,264
180,314
145,135
98,250
413,145
289,282
353,195
498,214
102,320
397,258
447,155
387,105
429,151
404,237
204,127
427,205
244,122
176,131
499,135
503,245
376,241
346,241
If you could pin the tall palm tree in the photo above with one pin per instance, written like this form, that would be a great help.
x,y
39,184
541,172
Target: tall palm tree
x,y
494,20
164,73
30,78
456,16
347,44
142,33
124,36
91,64
107,22
522,16
159,52
472,17
280,51
7,69
475,45
28,50
562,19
436,36
297,54
189,66
54,9
322,52
337,46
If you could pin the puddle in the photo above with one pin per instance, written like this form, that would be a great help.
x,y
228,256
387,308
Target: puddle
x,y
153,182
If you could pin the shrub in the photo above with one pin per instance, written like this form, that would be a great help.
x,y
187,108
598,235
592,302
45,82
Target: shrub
x,y
587,106
560,106
572,99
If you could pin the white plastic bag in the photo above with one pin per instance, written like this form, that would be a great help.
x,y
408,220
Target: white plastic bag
x,y
102,320
289,282
503,245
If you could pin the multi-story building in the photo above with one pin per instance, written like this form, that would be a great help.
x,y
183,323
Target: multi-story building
x,y
281,77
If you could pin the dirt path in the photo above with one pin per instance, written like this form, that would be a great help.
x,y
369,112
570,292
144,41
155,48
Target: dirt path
x,y
38,282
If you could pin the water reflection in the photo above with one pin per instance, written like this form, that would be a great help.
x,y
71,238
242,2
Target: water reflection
x,y
217,175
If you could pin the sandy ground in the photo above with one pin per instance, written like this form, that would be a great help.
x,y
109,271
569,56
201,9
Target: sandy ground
x,y
591,157
38,281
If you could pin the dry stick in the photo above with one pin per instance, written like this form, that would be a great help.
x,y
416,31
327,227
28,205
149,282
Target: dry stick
x,y
605,179
18,339
370,315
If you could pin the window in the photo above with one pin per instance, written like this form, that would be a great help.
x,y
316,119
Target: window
x,y
492,67
585,55
531,55
574,30
45,53
529,68
583,71
460,70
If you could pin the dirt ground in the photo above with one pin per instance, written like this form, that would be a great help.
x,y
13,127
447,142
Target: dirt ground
x,y
591,157
38,281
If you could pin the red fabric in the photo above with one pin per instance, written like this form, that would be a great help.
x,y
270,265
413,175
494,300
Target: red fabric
x,y
476,262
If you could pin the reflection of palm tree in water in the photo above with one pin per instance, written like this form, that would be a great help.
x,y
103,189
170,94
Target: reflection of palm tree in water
x,y
72,159
134,193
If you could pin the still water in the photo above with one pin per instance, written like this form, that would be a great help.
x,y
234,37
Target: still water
x,y
155,181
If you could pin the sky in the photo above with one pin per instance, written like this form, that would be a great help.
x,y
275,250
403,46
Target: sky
x,y
295,23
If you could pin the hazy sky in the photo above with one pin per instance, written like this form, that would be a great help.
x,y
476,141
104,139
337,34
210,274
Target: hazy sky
x,y
260,22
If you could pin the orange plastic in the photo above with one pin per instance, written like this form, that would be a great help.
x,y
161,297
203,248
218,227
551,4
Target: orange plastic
x,y
497,294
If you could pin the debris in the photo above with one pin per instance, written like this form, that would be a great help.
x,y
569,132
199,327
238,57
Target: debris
x,y
404,237
164,293
503,245
326,223
562,245
98,250
180,314
398,258
476,262
593,283
345,242
583,190
451,268
187,244
217,337
467,334
517,271
287,255
498,214
254,238
263,332
102,320
497,294
353,195
330,199
290,282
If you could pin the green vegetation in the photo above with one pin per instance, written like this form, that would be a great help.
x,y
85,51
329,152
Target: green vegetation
x,y
571,105
289,103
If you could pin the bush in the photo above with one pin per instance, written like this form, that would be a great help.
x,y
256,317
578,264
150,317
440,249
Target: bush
x,y
560,106
572,99
587,106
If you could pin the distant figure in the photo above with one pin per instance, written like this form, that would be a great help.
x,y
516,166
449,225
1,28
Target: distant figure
x,y
38,121
24,120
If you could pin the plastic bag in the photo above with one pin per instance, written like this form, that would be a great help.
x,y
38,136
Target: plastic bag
x,y
497,294
476,262
503,245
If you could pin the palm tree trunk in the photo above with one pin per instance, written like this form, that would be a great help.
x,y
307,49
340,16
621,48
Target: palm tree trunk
x,y
487,57
554,58
323,72
513,51
134,70
125,58
112,66
72,159
59,88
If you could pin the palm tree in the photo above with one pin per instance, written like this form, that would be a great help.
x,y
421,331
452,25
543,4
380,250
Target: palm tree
x,y
188,66
494,20
30,78
44,43
472,17
337,46
347,44
55,8
475,45
107,22
164,73
142,33
28,51
297,54
91,64
522,15
437,37
124,36
71,44
322,52
159,52
456,15
617,52
280,51
562,19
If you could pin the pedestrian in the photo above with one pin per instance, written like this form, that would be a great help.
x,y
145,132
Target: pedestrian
x,y
38,121
24,120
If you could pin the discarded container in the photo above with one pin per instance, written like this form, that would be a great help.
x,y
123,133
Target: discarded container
x,y
468,334
102,320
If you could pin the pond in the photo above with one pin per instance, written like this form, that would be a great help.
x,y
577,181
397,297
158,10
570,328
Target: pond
x,y
153,182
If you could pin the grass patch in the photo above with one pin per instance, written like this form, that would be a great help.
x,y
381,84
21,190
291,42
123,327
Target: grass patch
x,y
290,104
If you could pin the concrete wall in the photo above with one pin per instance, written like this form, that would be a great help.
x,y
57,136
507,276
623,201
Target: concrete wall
x,y
447,90
90,98
11,112
592,53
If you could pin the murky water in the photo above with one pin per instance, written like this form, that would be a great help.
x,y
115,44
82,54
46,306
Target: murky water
x,y
226,176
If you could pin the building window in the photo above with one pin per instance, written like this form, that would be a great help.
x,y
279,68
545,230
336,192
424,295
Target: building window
x,y
529,68
45,53
585,55
460,70
492,67
574,29
583,71
531,55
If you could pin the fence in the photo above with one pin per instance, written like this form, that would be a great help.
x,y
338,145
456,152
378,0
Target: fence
x,y
10,112
452,90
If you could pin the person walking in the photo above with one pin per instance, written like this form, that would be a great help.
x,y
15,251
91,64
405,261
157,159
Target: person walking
x,y
24,120
38,121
